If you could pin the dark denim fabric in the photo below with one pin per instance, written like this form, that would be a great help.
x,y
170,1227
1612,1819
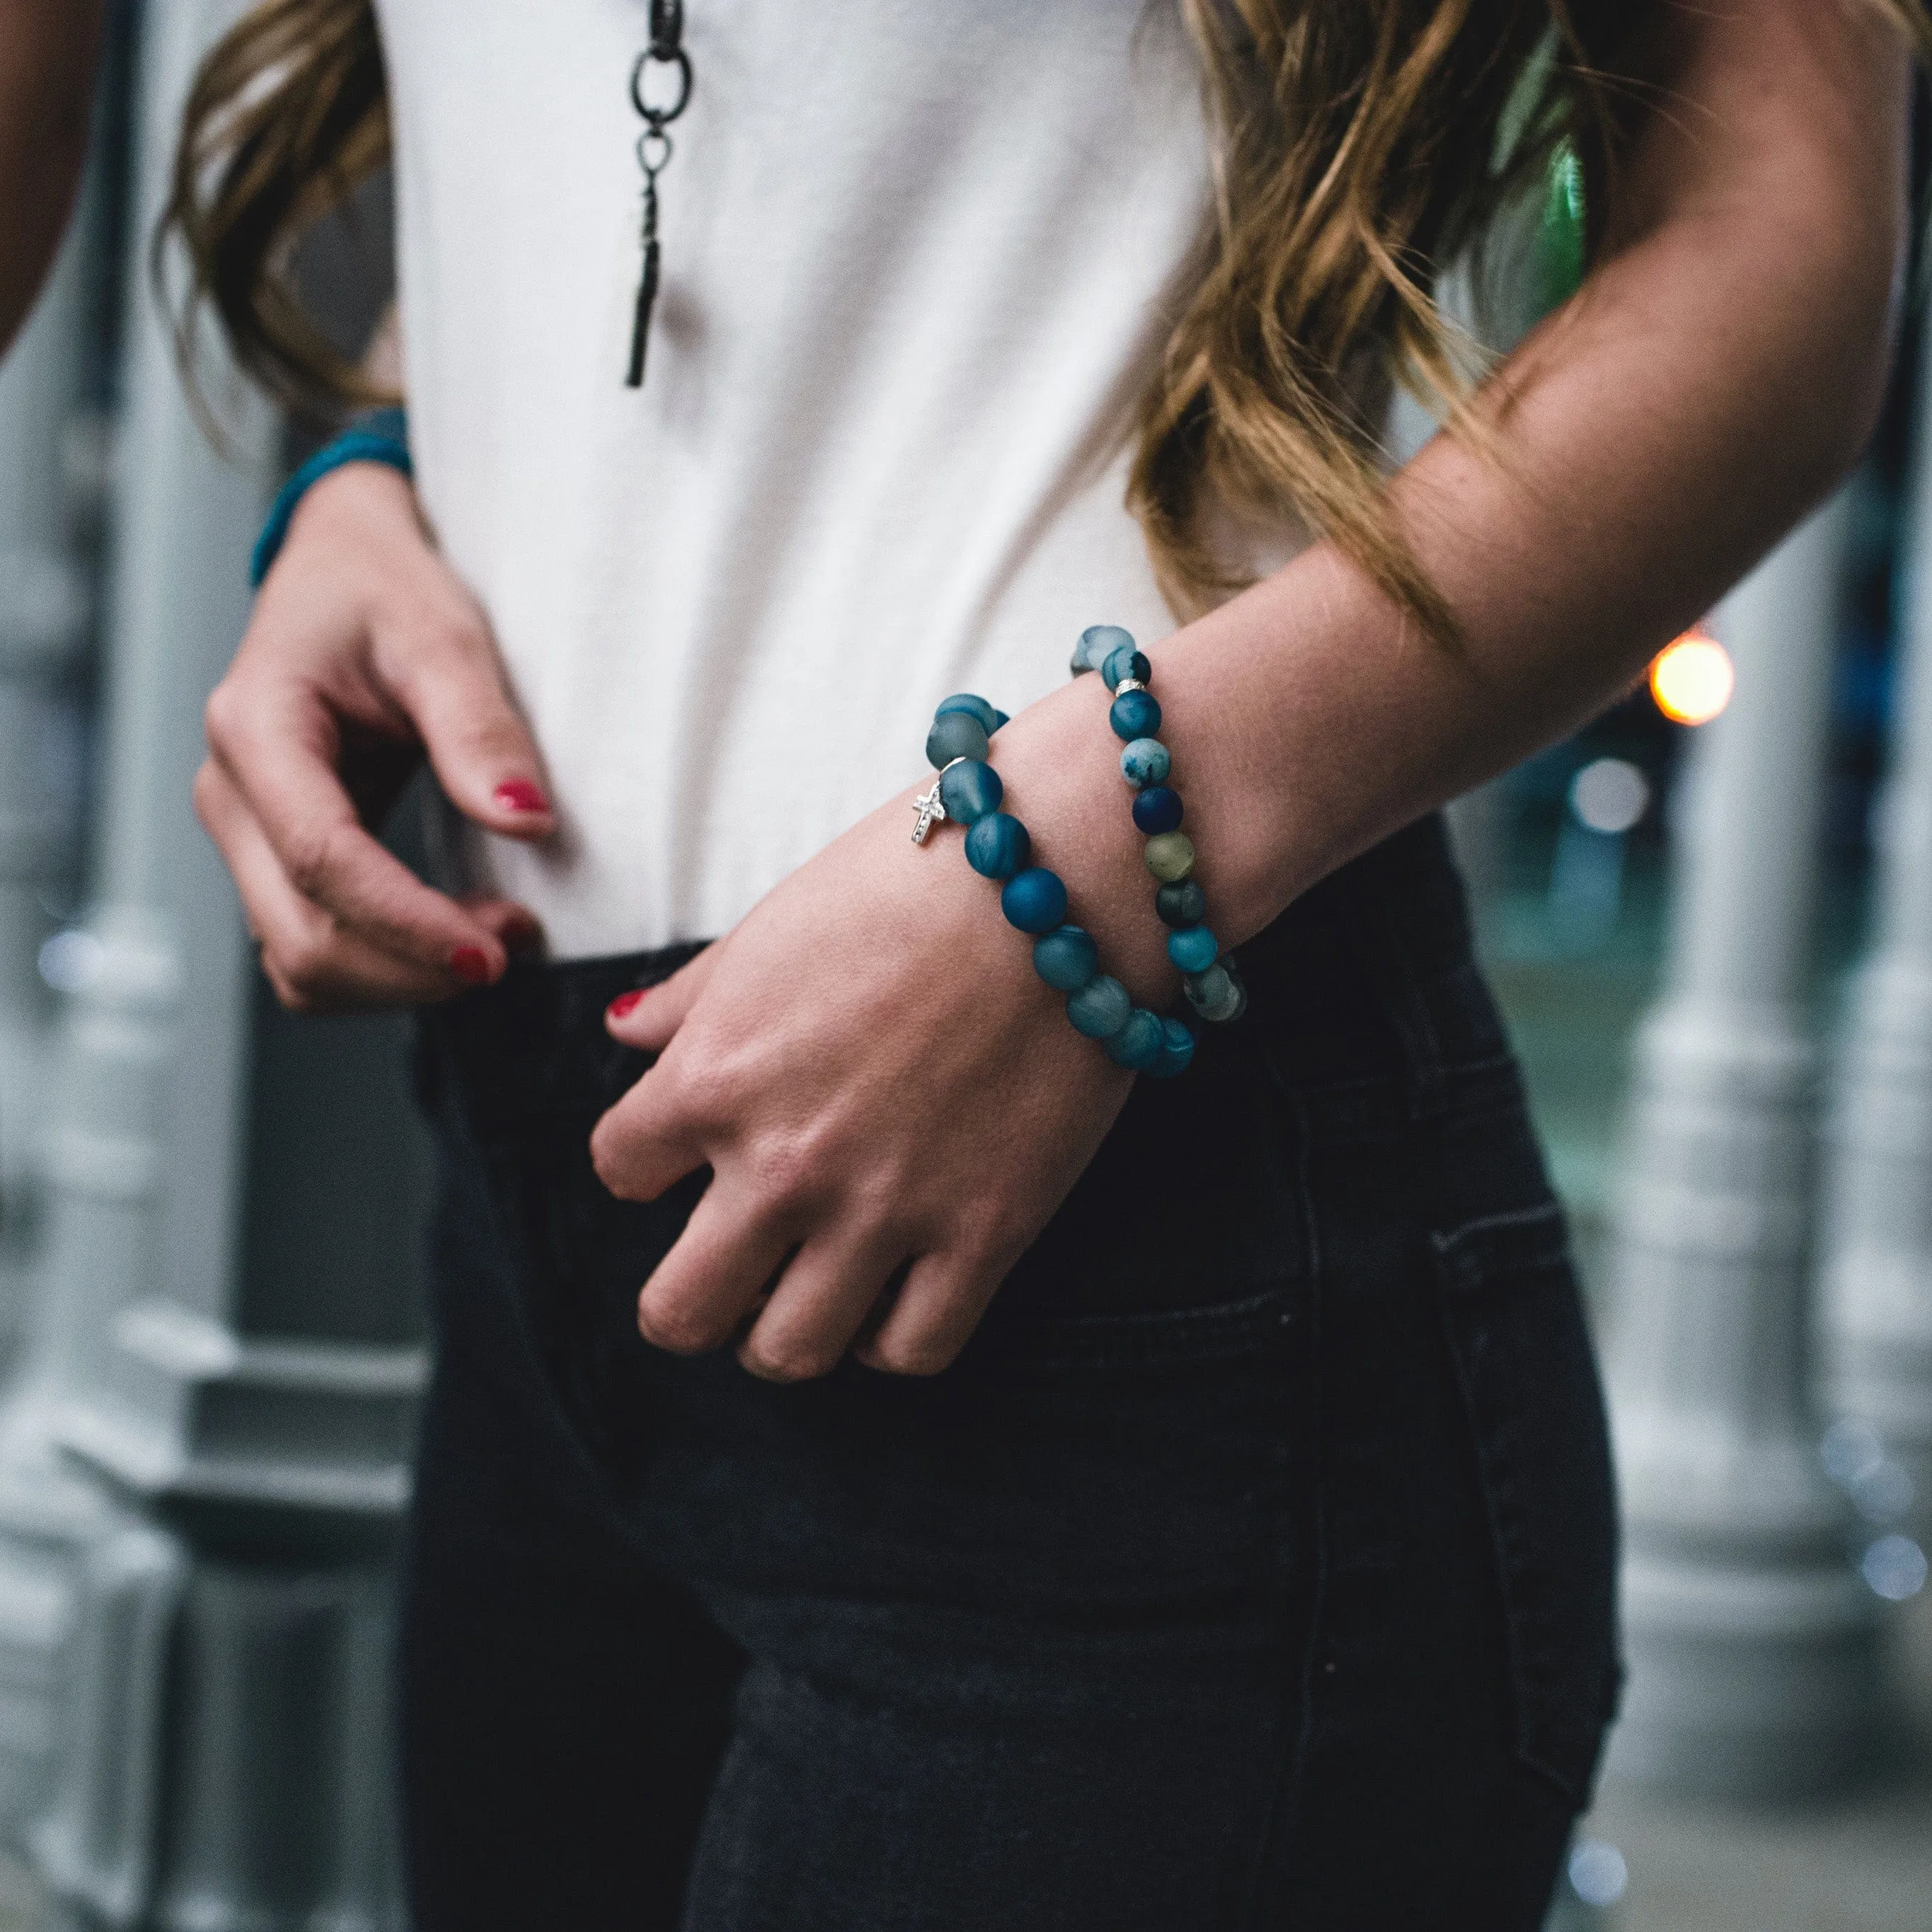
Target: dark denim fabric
x,y
1252,1569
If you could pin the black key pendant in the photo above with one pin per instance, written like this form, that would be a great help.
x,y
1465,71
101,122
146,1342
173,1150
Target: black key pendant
x,y
647,296
654,152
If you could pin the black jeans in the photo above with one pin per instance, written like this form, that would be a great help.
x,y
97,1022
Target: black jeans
x,y
1253,1567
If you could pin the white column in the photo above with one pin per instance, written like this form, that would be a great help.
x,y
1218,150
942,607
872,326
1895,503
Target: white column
x,y
43,618
1750,1640
172,615
203,1462
1877,1271
43,624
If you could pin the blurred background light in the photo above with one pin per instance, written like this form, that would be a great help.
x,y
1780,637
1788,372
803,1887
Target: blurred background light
x,y
1692,679
1854,1457
69,960
1850,1449
1598,1873
1894,1567
1609,795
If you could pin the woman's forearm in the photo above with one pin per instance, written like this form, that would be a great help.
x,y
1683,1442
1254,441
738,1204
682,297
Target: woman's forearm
x,y
1719,372
48,50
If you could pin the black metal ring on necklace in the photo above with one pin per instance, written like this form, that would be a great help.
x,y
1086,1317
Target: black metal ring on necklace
x,y
673,55
665,48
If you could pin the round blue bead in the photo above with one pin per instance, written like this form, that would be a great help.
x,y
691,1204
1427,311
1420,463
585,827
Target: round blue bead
x,y
1034,901
1098,643
1183,903
1157,809
1193,948
1100,1008
1065,958
1135,715
1145,762
1125,663
1001,718
973,707
1140,1042
1175,1054
955,734
971,790
997,846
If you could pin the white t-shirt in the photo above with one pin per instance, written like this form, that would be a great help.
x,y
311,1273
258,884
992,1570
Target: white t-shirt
x,y
918,260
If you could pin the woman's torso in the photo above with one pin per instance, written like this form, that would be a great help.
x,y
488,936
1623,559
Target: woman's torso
x,y
916,260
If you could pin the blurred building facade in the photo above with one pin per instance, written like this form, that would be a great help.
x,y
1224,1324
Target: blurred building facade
x,y
204,1459
210,1213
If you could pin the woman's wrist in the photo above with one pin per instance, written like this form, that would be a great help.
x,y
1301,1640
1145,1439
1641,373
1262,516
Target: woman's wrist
x,y
1059,761
378,439
1033,898
361,501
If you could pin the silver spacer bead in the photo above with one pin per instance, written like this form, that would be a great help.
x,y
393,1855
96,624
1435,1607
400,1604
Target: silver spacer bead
x,y
1127,684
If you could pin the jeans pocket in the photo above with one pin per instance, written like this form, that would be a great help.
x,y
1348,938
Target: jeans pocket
x,y
1535,1408
1248,1325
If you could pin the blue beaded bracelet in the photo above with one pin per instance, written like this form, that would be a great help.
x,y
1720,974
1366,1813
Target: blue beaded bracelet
x,y
1210,980
968,792
381,436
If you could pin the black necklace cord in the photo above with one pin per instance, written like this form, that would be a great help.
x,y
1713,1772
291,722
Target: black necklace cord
x,y
665,49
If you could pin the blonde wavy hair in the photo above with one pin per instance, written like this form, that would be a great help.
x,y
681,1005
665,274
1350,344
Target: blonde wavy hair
x,y
1361,146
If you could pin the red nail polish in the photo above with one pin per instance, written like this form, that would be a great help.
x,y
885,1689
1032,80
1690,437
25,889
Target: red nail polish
x,y
519,795
623,1003
470,963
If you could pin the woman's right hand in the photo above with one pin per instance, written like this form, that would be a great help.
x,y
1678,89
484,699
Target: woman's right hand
x,y
364,655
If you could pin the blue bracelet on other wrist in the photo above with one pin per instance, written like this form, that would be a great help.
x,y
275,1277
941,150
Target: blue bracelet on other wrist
x,y
380,436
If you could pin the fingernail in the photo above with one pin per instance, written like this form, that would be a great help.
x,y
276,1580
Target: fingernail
x,y
623,1003
521,795
470,963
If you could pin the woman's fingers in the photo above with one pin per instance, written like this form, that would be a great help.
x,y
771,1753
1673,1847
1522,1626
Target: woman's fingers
x,y
361,597
516,926
276,743
933,1315
313,963
714,1275
650,1140
838,1080
365,651
821,1303
648,1018
445,673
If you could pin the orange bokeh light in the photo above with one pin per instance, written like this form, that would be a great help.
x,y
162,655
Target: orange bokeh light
x,y
1692,679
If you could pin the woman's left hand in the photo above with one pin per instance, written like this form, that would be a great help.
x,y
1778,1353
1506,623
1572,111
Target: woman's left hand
x,y
884,1089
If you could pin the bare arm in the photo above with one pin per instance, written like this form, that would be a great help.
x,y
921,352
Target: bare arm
x,y
48,51
1718,372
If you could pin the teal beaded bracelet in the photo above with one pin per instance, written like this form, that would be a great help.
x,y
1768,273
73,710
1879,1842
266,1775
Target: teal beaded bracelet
x,y
1211,981
968,792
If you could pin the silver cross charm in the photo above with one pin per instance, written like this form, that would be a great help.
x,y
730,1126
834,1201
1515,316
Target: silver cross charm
x,y
929,809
